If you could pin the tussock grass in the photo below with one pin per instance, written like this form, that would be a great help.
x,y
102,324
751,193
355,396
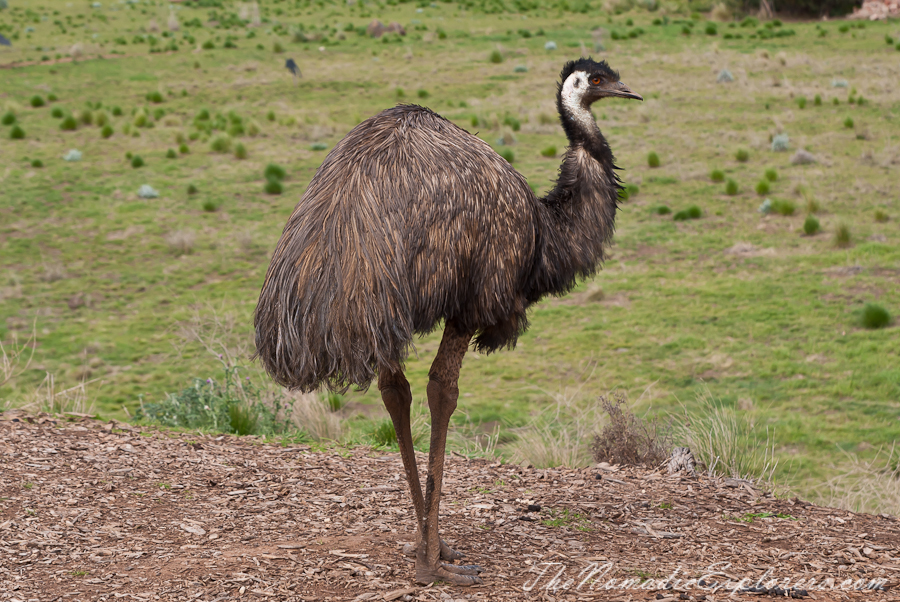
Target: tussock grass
x,y
842,237
181,242
811,226
653,160
871,485
717,175
874,317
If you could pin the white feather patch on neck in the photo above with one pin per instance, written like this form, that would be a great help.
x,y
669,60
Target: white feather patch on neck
x,y
573,92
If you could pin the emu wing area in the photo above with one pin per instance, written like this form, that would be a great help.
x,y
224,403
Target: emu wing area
x,y
408,221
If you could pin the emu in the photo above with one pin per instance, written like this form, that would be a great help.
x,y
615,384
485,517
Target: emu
x,y
411,221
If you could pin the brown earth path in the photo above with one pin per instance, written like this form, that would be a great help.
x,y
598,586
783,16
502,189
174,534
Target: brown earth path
x,y
94,511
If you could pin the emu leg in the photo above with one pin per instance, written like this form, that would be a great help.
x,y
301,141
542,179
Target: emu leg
x,y
397,400
442,397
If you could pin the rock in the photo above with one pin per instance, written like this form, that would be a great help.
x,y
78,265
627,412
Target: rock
x,y
147,192
724,77
803,157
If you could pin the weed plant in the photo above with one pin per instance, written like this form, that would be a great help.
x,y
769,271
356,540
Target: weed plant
x,y
874,317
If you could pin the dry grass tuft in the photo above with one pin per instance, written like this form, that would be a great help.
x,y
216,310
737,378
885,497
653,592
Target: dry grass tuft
x,y
181,242
312,415
865,485
629,439
53,272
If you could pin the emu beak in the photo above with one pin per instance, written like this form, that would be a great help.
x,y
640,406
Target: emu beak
x,y
621,90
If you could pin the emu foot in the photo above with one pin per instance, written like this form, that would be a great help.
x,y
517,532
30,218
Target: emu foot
x,y
463,576
447,553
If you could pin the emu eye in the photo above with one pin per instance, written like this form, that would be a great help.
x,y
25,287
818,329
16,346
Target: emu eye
x,y
596,81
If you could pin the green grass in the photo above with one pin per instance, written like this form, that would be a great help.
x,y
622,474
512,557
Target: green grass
x,y
680,315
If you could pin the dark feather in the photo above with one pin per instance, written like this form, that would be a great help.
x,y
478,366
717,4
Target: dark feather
x,y
291,66
4,41
409,221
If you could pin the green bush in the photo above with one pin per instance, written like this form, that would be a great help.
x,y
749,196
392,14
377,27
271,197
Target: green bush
x,y
881,216
801,102
107,131
101,118
240,151
117,111
848,123
512,122
210,206
57,113
874,316
662,210
171,154
692,212
711,29
742,156
86,117
811,226
274,187
69,124
37,101
717,175
136,161
17,133
507,154
549,151
817,101
37,163
184,149
277,48
495,57
209,45
155,97
422,93
192,190
270,115
274,172
771,175
783,207
318,146
52,98
383,434
8,118
762,187
731,187
653,159
842,237
232,405
221,143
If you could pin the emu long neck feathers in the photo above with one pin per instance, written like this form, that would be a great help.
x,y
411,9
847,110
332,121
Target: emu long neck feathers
x,y
578,214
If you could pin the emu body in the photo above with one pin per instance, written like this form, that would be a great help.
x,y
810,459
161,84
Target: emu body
x,y
409,221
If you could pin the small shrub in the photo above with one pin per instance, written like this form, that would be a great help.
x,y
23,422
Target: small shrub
x,y
717,175
628,439
155,97
842,237
783,207
137,161
422,93
817,101
270,115
780,143
771,175
874,316
37,101
881,216
209,45
835,101
507,154
171,154
69,124
550,151
812,205
653,159
662,210
210,206
101,118
253,128
274,172
274,187
692,212
762,187
37,163
711,29
496,56
17,133
742,156
52,98
8,118
184,149
240,151
57,113
221,143
117,111
192,190
801,102
107,131
318,146
848,123
731,187
277,48
811,226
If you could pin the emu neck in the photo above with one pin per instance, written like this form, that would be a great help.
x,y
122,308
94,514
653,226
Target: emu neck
x,y
577,217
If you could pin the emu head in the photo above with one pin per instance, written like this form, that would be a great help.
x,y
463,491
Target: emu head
x,y
586,81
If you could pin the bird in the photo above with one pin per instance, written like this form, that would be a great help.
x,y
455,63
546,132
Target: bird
x,y
412,222
291,66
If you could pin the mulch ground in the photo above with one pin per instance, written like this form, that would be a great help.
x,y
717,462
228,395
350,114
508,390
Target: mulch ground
x,y
103,511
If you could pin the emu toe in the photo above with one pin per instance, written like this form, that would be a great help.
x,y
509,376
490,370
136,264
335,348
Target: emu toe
x,y
463,576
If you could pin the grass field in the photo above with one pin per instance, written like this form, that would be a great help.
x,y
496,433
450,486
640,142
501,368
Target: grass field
x,y
737,305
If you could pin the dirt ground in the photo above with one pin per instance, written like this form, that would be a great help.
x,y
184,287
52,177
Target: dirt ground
x,y
103,511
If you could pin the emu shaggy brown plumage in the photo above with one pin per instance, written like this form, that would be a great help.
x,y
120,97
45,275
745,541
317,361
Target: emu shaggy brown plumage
x,y
410,221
